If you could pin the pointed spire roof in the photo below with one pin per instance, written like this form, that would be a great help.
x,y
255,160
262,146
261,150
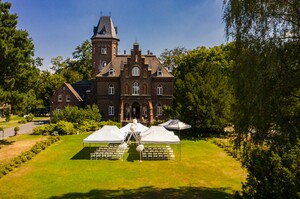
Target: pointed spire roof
x,y
105,29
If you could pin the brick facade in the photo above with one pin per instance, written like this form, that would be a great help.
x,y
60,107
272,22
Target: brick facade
x,y
125,86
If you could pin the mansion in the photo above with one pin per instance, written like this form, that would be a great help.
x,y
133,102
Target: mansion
x,y
123,86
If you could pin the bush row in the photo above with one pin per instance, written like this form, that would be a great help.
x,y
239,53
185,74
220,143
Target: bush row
x,y
26,156
68,128
227,146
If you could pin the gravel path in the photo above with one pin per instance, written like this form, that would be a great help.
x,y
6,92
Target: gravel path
x,y
24,128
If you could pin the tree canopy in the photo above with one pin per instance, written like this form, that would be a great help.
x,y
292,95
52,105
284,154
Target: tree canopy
x,y
202,93
266,80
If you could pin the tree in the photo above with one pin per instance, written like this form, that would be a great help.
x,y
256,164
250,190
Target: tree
x,y
16,51
82,60
202,94
266,79
172,57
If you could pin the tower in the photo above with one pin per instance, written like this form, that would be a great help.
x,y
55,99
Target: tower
x,y
104,44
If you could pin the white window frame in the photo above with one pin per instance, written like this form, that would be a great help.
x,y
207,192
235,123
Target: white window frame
x,y
103,51
159,72
59,98
103,64
111,89
159,90
68,98
111,72
111,110
135,71
159,110
135,89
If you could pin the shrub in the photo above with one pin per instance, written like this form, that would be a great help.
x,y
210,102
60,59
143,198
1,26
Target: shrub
x,y
109,122
29,117
76,115
17,128
65,128
88,125
22,121
39,130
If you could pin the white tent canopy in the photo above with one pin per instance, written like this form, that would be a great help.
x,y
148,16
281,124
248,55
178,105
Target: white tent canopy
x,y
159,135
107,134
139,128
175,125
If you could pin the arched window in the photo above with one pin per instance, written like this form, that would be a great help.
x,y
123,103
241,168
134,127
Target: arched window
x,y
59,98
159,90
68,99
111,110
111,72
135,89
159,110
111,90
136,71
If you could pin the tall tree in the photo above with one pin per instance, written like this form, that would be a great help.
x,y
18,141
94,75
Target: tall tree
x,y
82,60
266,78
202,94
16,51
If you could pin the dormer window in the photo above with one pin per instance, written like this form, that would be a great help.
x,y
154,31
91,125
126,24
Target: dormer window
x,y
136,71
159,71
111,72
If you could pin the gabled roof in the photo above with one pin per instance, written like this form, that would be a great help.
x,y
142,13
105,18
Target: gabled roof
x,y
118,62
73,91
105,29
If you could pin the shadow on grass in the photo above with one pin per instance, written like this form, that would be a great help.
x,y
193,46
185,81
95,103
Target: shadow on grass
x,y
133,154
151,192
84,153
5,142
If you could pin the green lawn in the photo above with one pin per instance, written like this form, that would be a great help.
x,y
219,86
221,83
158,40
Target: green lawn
x,y
61,171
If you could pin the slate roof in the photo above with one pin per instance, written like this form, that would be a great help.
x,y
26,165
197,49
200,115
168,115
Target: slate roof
x,y
81,87
105,29
70,87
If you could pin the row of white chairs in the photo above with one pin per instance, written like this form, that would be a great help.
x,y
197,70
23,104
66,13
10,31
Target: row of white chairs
x,y
158,156
106,155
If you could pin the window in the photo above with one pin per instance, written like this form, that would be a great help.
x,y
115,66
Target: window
x,y
59,98
135,89
159,110
111,72
111,90
111,110
103,51
68,99
159,71
159,90
136,71
100,68
104,64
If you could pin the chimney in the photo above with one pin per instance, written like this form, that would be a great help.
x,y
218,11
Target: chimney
x,y
124,52
148,52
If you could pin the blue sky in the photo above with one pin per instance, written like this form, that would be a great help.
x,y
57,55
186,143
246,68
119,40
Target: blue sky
x,y
58,26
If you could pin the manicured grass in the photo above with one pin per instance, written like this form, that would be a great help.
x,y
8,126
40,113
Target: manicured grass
x,y
61,171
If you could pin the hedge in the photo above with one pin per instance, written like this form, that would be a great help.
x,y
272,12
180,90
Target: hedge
x,y
26,156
